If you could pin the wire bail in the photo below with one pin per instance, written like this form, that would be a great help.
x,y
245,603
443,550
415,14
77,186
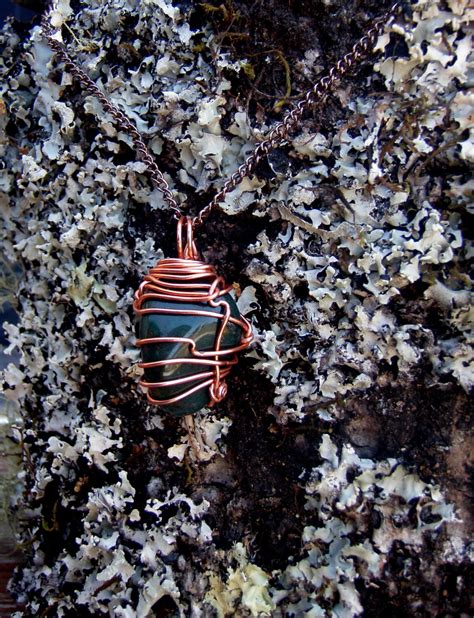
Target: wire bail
x,y
186,250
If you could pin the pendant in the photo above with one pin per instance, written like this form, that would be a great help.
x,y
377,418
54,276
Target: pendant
x,y
189,330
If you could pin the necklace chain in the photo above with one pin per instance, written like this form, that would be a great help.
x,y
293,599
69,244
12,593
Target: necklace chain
x,y
275,137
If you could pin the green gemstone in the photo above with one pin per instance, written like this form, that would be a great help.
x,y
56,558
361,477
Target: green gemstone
x,y
203,330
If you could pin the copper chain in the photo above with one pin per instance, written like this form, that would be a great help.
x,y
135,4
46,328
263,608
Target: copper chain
x,y
275,137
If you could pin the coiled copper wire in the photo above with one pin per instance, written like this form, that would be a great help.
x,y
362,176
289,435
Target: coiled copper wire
x,y
186,279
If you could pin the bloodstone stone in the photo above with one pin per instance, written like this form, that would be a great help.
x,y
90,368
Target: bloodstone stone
x,y
202,329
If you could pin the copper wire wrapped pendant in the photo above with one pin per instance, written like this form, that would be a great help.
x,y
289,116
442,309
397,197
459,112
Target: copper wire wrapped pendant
x,y
189,330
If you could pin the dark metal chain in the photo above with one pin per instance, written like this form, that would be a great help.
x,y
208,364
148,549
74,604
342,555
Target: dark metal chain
x,y
276,136
120,118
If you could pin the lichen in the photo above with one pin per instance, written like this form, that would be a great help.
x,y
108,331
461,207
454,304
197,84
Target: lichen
x,y
119,514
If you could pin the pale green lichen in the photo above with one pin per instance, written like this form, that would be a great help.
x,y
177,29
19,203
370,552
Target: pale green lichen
x,y
246,586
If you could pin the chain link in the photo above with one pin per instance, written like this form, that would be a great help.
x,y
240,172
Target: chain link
x,y
275,137
122,121
280,132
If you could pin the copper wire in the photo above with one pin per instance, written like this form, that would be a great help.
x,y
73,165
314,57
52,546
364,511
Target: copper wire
x,y
186,279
